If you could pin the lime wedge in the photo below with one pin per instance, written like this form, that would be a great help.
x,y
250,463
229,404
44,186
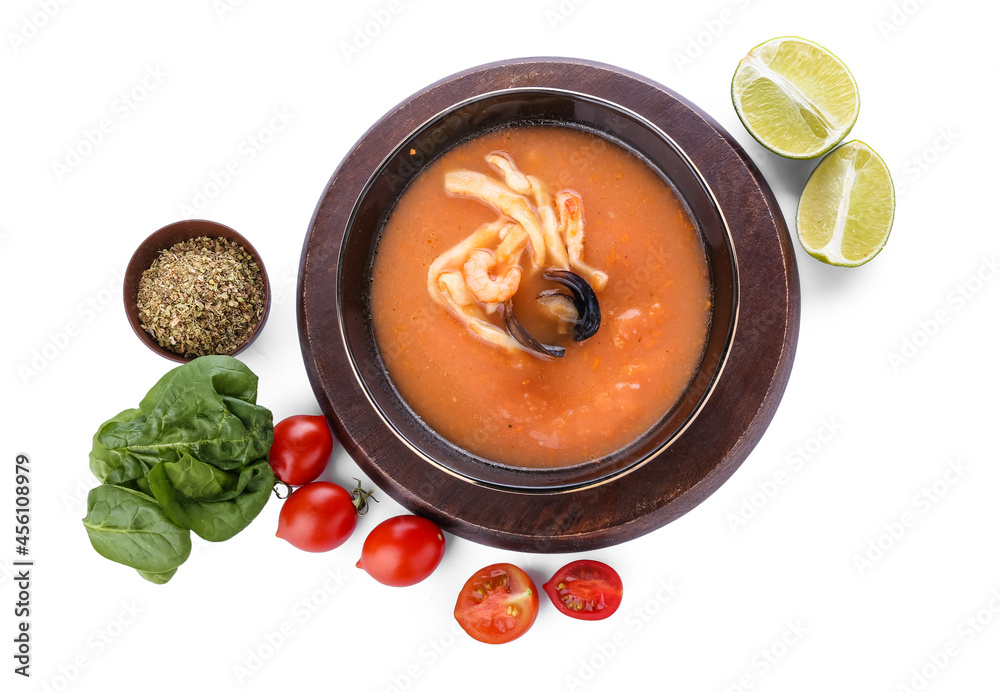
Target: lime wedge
x,y
846,209
796,98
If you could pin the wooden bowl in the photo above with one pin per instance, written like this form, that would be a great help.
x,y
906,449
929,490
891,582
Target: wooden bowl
x,y
167,237
458,124
663,473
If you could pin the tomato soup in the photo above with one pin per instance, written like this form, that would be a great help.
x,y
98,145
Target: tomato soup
x,y
513,407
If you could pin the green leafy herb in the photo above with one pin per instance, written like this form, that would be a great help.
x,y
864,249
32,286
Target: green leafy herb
x,y
129,527
215,515
192,457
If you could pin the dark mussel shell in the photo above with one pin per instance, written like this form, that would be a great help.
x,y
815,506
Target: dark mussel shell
x,y
524,337
588,311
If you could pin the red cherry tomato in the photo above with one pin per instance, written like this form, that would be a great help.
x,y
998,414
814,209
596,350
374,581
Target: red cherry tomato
x,y
318,517
403,550
301,449
586,590
498,604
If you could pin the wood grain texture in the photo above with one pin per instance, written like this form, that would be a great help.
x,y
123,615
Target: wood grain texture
x,y
649,496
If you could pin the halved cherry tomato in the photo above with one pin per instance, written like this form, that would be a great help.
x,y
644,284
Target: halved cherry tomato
x,y
403,550
320,516
301,449
586,590
498,604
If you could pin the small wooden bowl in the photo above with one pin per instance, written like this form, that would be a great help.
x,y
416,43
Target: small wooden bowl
x,y
167,237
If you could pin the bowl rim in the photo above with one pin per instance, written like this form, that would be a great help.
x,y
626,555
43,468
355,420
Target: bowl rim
x,y
596,476
164,238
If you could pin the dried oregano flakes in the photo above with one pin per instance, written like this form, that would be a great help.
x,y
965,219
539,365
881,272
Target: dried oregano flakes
x,y
201,297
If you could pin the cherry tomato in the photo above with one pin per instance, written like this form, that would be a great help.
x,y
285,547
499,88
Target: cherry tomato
x,y
586,590
403,550
318,517
498,604
301,449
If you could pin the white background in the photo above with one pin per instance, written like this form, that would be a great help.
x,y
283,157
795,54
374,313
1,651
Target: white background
x,y
892,357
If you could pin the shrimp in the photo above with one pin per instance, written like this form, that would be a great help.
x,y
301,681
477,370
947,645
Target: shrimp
x,y
453,292
553,243
571,228
530,185
512,175
478,276
484,235
490,334
513,240
504,201
455,296
485,286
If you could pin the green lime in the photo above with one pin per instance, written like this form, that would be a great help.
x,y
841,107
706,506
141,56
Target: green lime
x,y
846,209
795,97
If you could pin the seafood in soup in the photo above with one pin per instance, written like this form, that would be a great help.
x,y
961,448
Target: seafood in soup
x,y
540,296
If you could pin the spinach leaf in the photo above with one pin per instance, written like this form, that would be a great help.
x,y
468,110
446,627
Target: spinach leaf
x,y
158,577
193,456
214,504
130,528
205,408
110,465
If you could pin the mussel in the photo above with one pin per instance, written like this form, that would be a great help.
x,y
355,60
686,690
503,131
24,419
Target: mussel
x,y
585,312
524,337
588,309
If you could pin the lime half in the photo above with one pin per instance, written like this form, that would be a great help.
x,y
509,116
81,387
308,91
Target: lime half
x,y
796,98
846,209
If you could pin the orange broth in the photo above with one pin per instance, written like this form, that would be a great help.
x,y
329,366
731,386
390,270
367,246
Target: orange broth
x,y
514,408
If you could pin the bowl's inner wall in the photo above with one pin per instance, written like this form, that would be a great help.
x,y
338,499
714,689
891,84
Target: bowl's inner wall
x,y
449,129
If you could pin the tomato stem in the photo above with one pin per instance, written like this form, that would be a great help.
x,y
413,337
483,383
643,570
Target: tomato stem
x,y
361,497
277,493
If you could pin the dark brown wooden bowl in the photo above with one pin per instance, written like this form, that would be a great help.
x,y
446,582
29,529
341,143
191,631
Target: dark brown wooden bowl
x,y
169,236
459,124
663,473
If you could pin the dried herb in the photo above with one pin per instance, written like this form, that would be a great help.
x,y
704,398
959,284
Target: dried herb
x,y
203,296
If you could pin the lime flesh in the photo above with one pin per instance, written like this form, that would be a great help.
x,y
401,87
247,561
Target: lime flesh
x,y
846,209
795,97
